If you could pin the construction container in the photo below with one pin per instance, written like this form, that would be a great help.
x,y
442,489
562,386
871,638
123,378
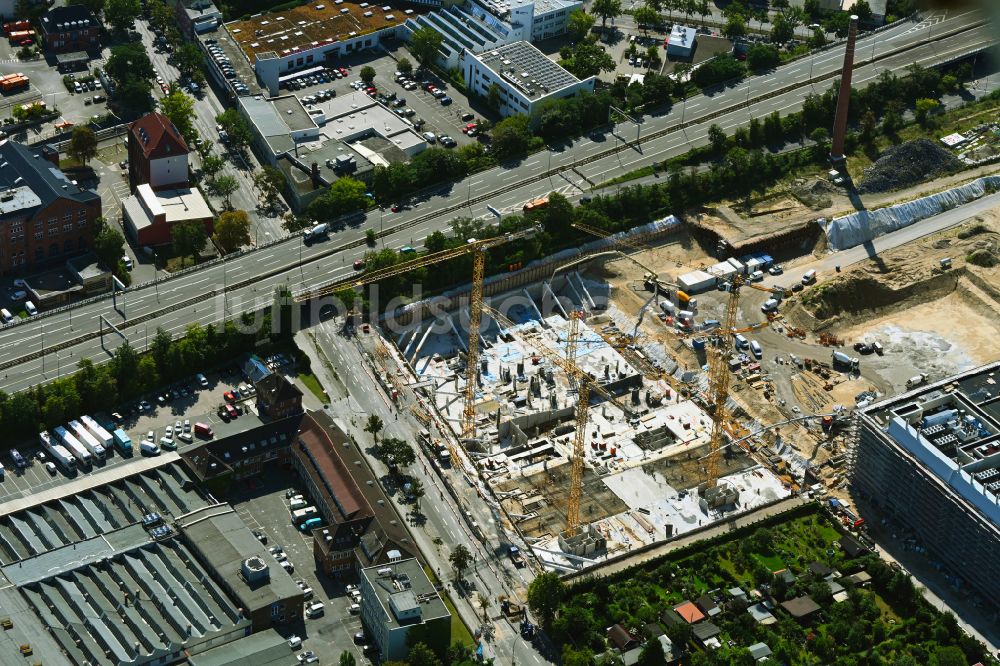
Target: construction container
x,y
737,265
698,343
723,271
696,282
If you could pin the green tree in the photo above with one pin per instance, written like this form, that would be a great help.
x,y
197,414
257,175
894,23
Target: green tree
x,y
511,137
82,144
161,15
579,24
347,659
188,238
818,39
586,58
425,45
606,9
236,128
188,58
863,10
373,426
232,230
124,367
646,17
924,108
736,28
367,74
652,654
653,55
421,655
460,560
493,96
109,245
680,635
782,30
704,10
129,62
545,593
225,187
211,166
159,349
761,57
780,5
404,65
395,453
416,492
179,108
147,376
121,14
134,95
346,195
96,6
271,183
717,137
571,657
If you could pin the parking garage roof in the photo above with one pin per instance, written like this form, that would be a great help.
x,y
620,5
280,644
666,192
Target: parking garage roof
x,y
313,25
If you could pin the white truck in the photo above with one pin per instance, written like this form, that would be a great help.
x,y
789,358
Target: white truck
x,y
73,445
95,428
58,452
89,441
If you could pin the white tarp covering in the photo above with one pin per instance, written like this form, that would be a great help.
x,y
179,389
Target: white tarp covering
x,y
865,225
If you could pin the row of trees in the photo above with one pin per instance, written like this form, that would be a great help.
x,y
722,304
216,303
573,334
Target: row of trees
x,y
129,374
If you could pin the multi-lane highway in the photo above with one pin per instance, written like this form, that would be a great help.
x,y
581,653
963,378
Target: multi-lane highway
x,y
248,281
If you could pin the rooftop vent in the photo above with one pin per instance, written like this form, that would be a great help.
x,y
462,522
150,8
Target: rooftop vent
x,y
254,570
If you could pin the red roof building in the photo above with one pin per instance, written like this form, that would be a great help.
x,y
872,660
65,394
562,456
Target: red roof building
x,y
157,154
689,612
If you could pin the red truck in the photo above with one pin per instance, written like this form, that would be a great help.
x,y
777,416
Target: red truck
x,y
15,26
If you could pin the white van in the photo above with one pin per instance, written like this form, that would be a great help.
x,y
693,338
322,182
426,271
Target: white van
x,y
741,342
757,276
315,609
809,276
6,316
30,308
770,305
297,503
148,448
758,353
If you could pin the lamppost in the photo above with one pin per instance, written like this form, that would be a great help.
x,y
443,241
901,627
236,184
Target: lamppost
x,y
813,27
156,285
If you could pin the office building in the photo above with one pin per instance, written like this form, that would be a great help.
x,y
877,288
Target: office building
x,y
68,29
930,458
397,598
149,216
525,76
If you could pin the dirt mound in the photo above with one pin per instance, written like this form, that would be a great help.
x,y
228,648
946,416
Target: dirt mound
x,y
815,193
839,298
908,164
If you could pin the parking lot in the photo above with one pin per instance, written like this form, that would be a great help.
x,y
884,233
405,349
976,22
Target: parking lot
x,y
438,118
262,503
199,405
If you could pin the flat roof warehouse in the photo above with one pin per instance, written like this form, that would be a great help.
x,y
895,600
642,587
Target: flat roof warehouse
x,y
311,26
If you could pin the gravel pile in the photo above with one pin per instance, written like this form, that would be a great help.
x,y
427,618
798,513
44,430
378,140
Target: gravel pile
x,y
908,164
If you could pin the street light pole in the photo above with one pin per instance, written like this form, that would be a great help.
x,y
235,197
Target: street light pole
x,y
156,285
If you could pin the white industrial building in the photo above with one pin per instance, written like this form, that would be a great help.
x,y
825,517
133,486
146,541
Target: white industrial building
x,y
681,42
525,76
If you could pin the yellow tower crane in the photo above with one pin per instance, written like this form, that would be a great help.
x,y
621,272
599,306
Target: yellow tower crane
x,y
478,249
585,385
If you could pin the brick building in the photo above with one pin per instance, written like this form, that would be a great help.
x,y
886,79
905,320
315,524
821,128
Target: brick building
x,y
148,217
157,154
68,29
277,397
197,16
44,217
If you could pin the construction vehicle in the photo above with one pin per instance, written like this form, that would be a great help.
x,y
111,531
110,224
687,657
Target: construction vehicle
x,y
515,556
916,380
478,249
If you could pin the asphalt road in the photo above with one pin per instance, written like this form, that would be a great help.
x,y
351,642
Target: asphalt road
x,y
197,296
356,394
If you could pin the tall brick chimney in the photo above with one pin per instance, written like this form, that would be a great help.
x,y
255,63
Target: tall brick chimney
x,y
837,157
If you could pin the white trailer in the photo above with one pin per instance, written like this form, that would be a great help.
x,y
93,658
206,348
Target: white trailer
x,y
102,435
84,437
58,452
73,445
696,281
